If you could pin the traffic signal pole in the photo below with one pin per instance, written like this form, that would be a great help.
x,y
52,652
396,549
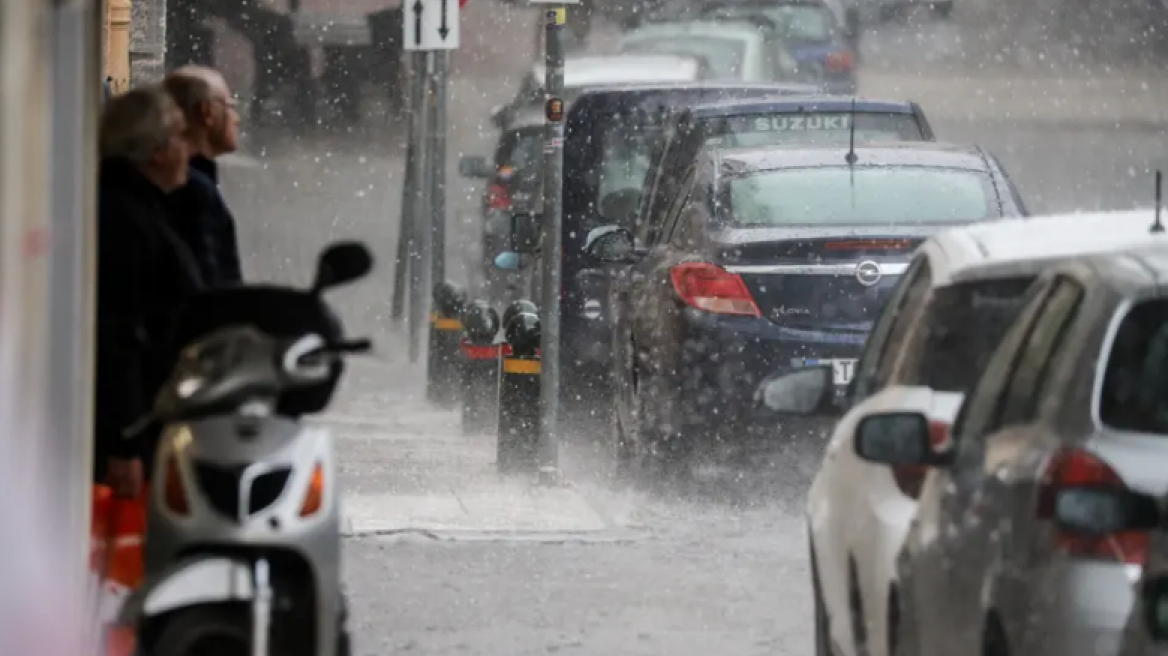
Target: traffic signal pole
x,y
555,19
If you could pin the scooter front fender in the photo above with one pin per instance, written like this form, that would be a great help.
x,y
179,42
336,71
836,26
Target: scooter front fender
x,y
191,582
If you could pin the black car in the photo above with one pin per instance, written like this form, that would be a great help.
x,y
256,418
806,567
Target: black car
x,y
610,135
769,260
771,122
514,178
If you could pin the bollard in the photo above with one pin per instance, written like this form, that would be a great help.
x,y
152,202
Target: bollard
x,y
519,390
443,379
481,350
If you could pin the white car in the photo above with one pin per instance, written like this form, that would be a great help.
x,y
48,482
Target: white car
x,y
951,307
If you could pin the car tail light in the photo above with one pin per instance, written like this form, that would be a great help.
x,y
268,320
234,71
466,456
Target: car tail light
x,y
711,288
498,198
910,478
840,61
174,491
1076,468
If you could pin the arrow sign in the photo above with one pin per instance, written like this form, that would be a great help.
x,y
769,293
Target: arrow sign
x,y
432,25
418,8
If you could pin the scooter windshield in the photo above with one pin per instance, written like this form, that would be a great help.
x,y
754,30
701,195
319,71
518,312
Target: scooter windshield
x,y
223,370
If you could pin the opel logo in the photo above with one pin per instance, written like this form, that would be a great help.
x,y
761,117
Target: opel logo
x,y
868,273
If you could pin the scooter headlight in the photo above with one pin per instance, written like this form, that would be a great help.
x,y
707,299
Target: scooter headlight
x,y
314,496
174,491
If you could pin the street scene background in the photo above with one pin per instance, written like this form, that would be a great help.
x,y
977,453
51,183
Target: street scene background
x,y
715,571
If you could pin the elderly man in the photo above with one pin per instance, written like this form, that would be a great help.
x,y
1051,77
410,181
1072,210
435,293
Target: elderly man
x,y
145,271
197,210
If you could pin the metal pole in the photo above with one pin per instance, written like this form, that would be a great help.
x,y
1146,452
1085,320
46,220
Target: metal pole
x,y
408,206
555,20
420,211
401,264
440,81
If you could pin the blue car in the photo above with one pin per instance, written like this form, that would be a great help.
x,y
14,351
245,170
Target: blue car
x,y
768,260
825,50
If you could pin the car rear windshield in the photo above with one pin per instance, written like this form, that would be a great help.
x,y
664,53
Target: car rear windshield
x,y
521,149
819,128
961,327
894,195
1135,383
723,57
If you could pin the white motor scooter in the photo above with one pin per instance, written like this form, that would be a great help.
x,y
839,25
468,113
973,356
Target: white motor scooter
x,y
243,544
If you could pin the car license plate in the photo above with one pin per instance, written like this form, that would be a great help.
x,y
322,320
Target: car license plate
x,y
841,369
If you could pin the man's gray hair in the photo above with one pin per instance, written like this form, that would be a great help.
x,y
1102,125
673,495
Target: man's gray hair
x,y
136,124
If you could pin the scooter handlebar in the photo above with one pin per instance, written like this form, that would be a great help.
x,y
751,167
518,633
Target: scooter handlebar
x,y
352,346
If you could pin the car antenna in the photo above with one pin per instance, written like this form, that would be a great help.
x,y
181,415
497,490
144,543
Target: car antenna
x,y
1157,226
851,157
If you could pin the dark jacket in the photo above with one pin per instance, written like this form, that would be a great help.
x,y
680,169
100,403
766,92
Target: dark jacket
x,y
144,273
202,219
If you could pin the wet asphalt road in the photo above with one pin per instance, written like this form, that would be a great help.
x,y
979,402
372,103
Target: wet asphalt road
x,y
712,574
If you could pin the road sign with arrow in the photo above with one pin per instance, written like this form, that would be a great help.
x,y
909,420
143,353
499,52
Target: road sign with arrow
x,y
431,24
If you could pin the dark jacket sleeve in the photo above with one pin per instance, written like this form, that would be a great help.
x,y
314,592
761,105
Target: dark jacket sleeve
x,y
120,331
201,217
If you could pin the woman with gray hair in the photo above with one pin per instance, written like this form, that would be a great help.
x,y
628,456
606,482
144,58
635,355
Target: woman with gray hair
x,y
145,272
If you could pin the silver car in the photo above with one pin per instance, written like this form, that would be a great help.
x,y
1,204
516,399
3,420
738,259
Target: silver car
x,y
1075,396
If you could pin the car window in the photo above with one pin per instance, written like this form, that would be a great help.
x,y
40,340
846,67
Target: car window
x,y
625,155
980,409
521,149
1135,383
781,63
961,326
842,195
915,296
872,361
691,218
653,177
676,210
1028,381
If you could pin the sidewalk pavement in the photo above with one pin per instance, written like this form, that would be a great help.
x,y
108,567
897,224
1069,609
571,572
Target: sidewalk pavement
x,y
1115,99
407,468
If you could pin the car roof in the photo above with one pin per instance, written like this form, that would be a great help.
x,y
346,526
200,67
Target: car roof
x,y
916,153
617,69
799,103
1134,271
777,89
736,29
997,248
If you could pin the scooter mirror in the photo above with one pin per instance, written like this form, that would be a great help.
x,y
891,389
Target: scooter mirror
x,y
341,263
